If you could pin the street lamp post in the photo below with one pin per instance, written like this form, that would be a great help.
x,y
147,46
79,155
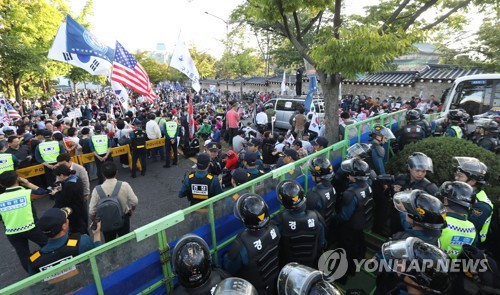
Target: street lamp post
x,y
227,40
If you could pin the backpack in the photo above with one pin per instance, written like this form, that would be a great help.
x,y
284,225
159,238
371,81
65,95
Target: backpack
x,y
109,209
123,139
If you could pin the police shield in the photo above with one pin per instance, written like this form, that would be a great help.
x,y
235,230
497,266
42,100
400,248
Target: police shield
x,y
235,286
297,279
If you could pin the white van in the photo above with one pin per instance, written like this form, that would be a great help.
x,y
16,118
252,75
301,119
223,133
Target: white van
x,y
476,94
287,107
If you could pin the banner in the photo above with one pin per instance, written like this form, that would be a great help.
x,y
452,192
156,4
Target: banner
x,y
181,60
92,64
81,41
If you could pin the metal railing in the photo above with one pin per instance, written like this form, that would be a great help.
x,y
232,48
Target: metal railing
x,y
138,244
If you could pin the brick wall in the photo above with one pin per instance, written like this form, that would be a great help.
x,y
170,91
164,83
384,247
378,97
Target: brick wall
x,y
405,92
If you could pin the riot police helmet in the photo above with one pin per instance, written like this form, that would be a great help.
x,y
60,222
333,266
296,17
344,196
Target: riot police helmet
x,y
290,194
489,126
383,131
472,168
252,210
457,192
358,150
424,209
457,116
412,115
423,263
420,161
297,279
321,167
235,286
192,261
356,168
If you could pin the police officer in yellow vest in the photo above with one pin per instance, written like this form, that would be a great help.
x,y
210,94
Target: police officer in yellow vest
x,y
458,199
100,145
18,215
8,162
474,172
171,131
456,118
46,153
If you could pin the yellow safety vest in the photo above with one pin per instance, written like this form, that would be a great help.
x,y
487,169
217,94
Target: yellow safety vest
x,y
458,233
49,150
481,197
16,212
6,163
171,127
100,143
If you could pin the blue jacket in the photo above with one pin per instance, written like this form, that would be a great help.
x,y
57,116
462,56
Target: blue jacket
x,y
215,185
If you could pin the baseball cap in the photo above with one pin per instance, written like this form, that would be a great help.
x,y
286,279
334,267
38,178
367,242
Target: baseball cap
x,y
254,141
213,147
292,153
321,141
52,220
202,161
97,128
240,175
250,158
27,137
47,133
297,142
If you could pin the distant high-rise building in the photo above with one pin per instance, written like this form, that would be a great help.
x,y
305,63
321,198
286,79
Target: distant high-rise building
x,y
161,47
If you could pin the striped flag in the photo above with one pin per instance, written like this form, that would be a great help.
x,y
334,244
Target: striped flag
x,y
11,112
127,71
56,104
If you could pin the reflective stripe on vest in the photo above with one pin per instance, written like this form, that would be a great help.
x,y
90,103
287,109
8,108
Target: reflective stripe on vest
x,y
481,197
100,143
458,131
49,150
6,163
15,209
171,127
455,235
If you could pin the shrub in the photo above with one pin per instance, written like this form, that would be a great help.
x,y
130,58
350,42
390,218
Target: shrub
x,y
441,150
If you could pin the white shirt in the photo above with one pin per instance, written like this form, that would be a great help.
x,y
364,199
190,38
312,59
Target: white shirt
x,y
153,130
261,118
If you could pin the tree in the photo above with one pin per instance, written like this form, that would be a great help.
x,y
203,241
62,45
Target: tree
x,y
27,29
343,48
205,63
157,71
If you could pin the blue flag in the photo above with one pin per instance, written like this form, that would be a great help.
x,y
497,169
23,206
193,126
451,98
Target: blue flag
x,y
178,86
312,88
81,41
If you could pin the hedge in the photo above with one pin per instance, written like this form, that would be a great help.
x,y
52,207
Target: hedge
x,y
442,150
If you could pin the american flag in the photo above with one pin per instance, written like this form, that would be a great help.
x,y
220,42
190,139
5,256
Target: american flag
x,y
56,104
11,112
127,71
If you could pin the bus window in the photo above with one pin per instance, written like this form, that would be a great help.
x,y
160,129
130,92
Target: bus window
x,y
496,98
473,96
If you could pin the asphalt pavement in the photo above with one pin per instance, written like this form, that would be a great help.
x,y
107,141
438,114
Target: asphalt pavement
x,y
157,193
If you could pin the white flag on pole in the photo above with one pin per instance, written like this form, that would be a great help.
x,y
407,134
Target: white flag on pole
x,y
92,64
181,60
314,125
121,93
283,84
290,139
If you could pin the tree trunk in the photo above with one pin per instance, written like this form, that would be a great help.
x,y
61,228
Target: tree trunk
x,y
331,91
17,86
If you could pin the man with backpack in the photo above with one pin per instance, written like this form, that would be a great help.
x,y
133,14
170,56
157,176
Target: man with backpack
x,y
112,203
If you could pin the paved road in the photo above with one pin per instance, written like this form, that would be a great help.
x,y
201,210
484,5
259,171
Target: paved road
x,y
157,193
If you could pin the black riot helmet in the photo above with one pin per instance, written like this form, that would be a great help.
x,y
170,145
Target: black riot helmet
x,y
235,286
457,116
290,194
358,150
472,167
191,261
321,167
424,209
356,168
490,126
457,192
420,161
298,279
412,115
424,263
252,210
379,130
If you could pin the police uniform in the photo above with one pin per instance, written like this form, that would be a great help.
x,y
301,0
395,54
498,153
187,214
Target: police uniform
x,y
254,173
459,231
480,215
322,198
8,162
489,143
254,257
138,145
171,131
454,131
425,126
216,276
356,215
47,152
19,222
43,259
302,236
409,134
100,144
378,155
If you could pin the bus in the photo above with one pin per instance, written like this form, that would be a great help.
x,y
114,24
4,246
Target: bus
x,y
476,94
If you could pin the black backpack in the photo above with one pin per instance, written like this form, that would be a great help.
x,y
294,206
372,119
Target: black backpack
x,y
109,209
483,281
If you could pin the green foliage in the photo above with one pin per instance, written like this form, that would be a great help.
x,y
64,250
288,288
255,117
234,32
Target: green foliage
x,y
157,71
442,150
205,63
